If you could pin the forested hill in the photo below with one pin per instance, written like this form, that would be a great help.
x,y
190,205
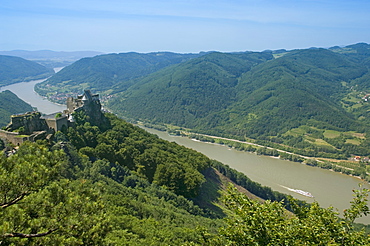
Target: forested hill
x,y
218,89
294,98
300,87
102,73
15,69
10,104
190,91
115,184
311,90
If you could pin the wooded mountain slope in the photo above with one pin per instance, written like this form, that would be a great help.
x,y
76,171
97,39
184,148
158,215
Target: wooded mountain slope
x,y
11,104
101,73
287,92
15,69
190,91
266,96
94,185
255,95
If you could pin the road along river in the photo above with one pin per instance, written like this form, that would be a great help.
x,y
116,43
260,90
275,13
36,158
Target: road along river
x,y
327,187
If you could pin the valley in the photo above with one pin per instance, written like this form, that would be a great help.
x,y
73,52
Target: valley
x,y
103,181
288,100
270,172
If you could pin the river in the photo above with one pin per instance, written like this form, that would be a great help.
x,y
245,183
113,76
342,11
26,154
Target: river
x,y
25,91
327,187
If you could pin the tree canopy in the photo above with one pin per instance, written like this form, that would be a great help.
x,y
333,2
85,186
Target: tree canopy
x,y
116,184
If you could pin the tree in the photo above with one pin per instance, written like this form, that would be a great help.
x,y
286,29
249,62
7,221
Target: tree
x,y
268,223
31,168
39,207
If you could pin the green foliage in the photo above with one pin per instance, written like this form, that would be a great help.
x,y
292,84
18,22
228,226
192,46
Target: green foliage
x,y
35,201
58,197
253,223
15,69
166,164
119,185
10,104
71,211
254,95
210,78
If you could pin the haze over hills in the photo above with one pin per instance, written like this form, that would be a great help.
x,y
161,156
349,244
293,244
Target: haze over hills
x,y
15,69
51,58
259,95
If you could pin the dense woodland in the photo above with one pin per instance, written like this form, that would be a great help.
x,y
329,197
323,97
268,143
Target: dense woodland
x,y
10,104
289,98
112,183
115,184
102,73
15,69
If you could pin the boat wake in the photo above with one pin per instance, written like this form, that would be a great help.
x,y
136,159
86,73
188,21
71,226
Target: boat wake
x,y
301,192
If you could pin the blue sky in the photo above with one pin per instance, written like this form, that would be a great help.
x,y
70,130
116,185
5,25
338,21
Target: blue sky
x,y
181,25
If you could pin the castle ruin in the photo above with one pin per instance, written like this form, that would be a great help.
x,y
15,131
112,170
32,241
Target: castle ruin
x,y
32,126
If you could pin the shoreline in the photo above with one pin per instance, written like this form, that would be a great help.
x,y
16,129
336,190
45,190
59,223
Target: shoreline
x,y
188,133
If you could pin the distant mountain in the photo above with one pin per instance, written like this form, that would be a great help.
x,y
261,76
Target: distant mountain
x,y
189,91
249,94
49,54
311,90
287,97
51,58
11,104
287,92
103,72
15,69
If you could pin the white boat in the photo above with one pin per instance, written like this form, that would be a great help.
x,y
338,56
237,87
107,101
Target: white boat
x,y
301,192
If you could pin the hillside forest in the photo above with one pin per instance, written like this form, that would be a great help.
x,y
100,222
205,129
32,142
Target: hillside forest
x,y
116,184
312,102
109,182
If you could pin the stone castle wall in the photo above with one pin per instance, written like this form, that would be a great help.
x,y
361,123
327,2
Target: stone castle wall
x,y
13,137
32,126
30,122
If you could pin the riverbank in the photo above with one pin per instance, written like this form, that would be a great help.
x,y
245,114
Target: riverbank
x,y
345,167
26,92
329,188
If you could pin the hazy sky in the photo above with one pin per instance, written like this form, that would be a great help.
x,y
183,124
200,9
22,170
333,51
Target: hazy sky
x,y
181,25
